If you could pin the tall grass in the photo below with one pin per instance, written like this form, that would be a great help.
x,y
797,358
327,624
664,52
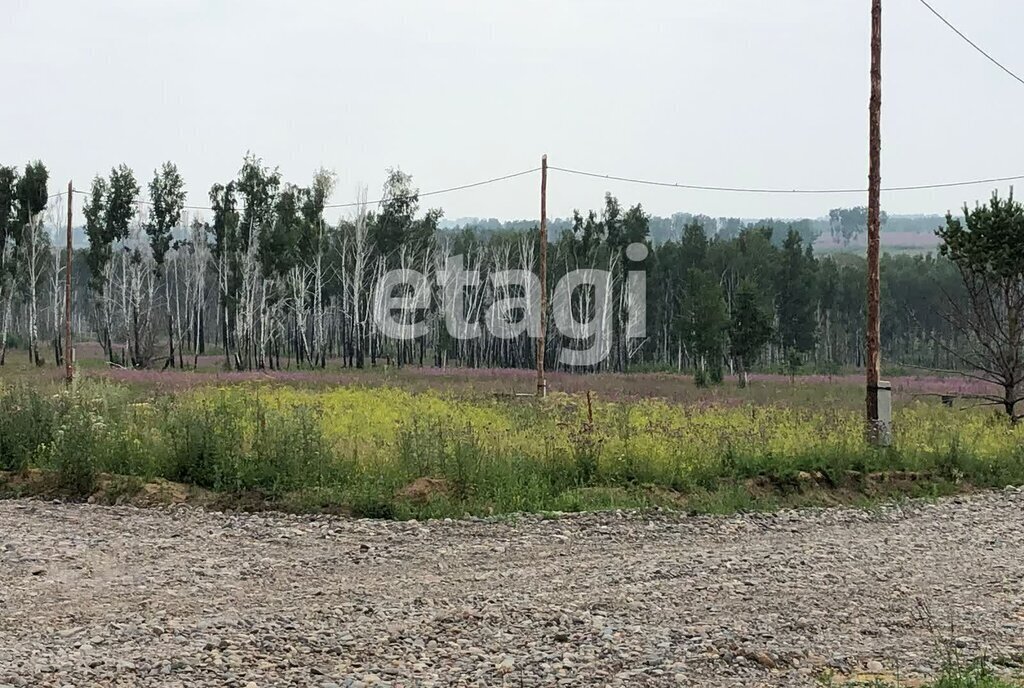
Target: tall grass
x,y
358,448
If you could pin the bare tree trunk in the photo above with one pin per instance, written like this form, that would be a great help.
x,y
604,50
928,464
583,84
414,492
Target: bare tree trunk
x,y
320,357
361,249
299,287
8,303
32,274
170,318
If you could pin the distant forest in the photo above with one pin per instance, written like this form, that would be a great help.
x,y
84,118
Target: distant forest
x,y
262,280
842,227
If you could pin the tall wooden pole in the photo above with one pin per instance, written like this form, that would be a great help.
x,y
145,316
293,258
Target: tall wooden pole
x,y
69,354
542,384
874,217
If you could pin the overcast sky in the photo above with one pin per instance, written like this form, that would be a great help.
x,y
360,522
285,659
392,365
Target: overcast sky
x,y
718,92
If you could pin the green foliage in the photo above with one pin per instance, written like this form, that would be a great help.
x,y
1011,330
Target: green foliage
x,y
100,250
26,427
108,212
358,449
611,221
315,232
796,300
122,195
376,506
8,203
281,243
990,239
167,200
285,450
818,303
202,443
290,451
77,442
988,249
693,247
32,193
635,226
586,236
258,185
750,327
705,323
585,445
396,224
225,218
8,223
299,231
975,674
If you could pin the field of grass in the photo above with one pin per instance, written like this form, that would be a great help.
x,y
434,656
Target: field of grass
x,y
843,390
423,442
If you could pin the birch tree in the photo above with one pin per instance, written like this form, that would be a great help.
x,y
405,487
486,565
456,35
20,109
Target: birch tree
x,y
98,258
55,214
225,240
167,200
8,225
258,186
360,257
137,293
318,232
108,213
31,243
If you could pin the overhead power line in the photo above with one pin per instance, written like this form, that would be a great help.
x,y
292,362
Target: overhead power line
x,y
974,45
444,191
755,190
646,182
380,200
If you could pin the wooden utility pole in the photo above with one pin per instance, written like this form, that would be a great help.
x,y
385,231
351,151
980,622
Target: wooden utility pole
x,y
874,224
542,383
69,353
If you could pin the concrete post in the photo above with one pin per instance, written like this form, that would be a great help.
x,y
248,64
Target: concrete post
x,y
881,432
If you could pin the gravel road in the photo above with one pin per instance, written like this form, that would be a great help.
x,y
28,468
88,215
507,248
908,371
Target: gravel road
x,y
118,596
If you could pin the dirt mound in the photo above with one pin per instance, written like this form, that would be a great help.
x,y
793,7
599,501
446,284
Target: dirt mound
x,y
424,490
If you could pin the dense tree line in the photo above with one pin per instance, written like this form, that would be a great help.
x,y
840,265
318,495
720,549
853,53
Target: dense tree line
x,y
844,225
264,280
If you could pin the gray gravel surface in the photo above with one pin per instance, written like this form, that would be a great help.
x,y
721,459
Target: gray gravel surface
x,y
118,596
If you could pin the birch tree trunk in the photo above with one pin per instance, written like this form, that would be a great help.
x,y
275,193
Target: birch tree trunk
x,y
8,304
361,252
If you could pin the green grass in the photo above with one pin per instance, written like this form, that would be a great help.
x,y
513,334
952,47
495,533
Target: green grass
x,y
976,674
361,450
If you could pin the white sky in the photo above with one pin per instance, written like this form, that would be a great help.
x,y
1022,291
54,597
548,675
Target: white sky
x,y
722,92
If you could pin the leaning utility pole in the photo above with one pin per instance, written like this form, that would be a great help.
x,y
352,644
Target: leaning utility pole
x,y
878,395
542,384
69,353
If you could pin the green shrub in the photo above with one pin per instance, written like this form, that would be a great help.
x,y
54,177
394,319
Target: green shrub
x,y
77,442
372,506
204,445
357,448
289,451
26,426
